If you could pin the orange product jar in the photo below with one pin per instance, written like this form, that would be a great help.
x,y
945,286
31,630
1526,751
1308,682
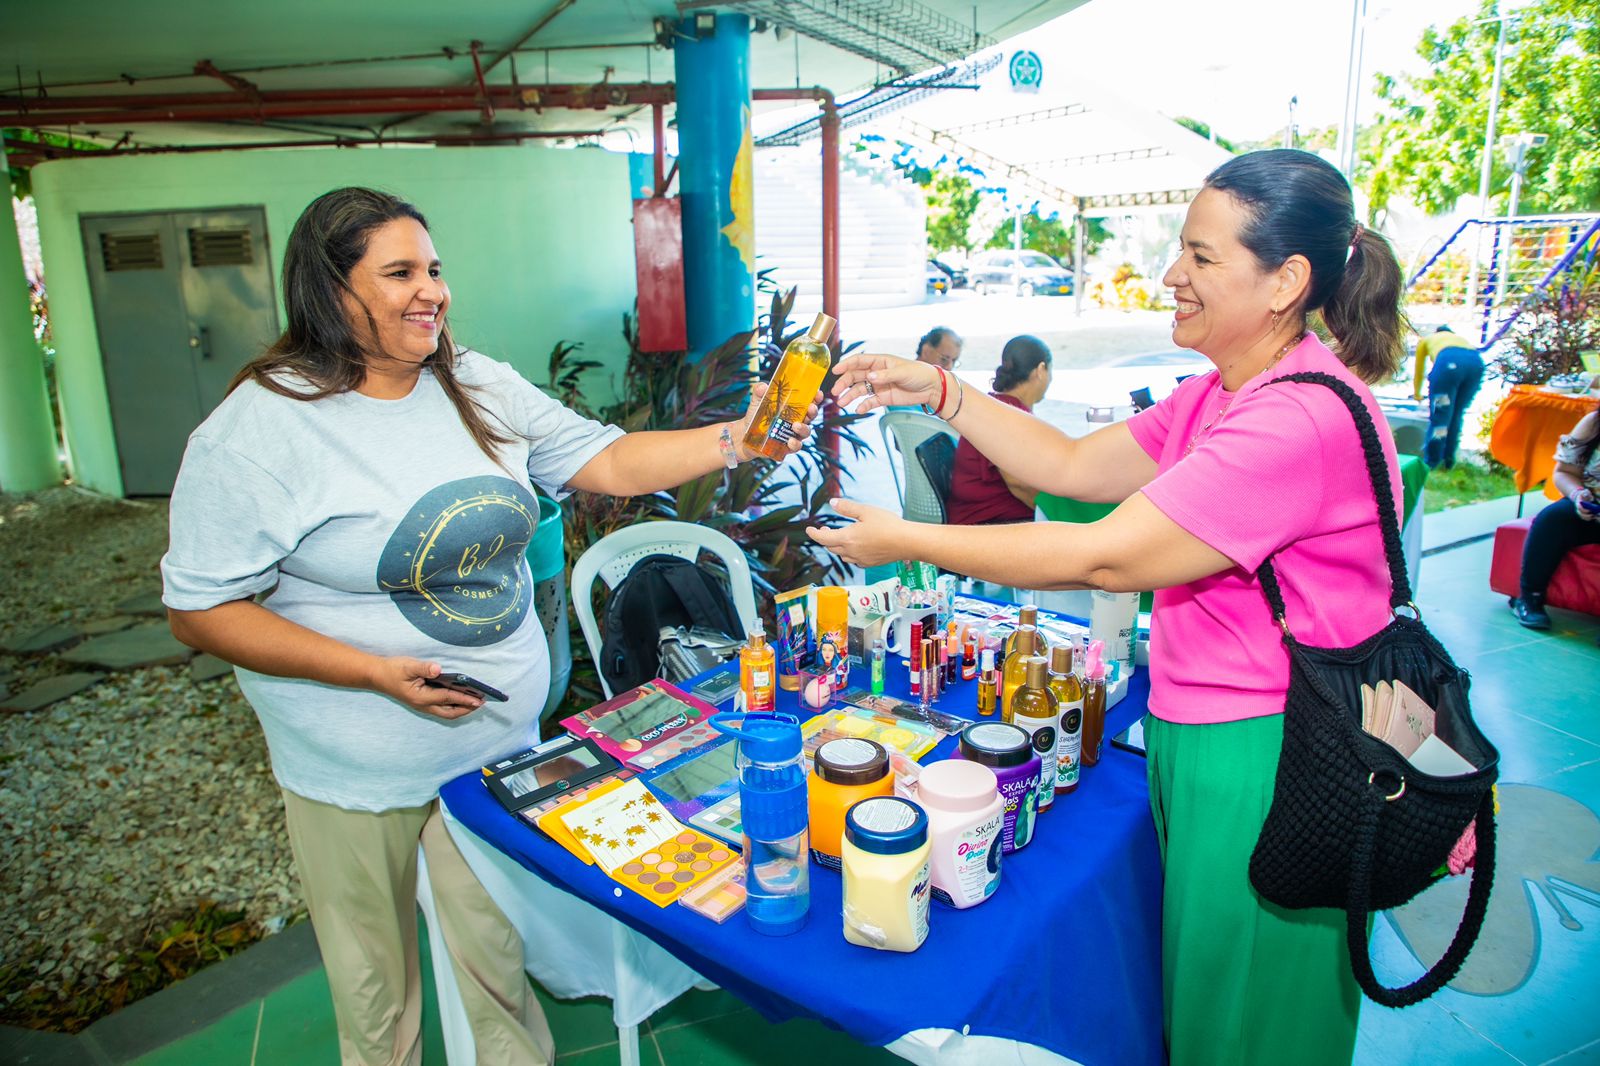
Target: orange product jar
x,y
843,773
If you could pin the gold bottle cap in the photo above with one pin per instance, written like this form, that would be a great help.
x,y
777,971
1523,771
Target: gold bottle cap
x,y
1027,639
758,640
1061,659
1028,615
822,328
1036,668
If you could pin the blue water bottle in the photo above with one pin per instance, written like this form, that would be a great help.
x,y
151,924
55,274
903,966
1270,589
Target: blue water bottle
x,y
772,806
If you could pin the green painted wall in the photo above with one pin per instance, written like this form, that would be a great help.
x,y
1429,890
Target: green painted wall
x,y
537,246
27,434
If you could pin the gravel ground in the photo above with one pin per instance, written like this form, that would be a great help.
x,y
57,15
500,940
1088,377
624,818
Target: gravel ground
x,y
126,805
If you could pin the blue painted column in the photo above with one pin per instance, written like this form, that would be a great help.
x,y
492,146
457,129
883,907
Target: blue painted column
x,y
716,180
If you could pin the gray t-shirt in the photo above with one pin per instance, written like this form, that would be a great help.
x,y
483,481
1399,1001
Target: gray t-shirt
x,y
382,524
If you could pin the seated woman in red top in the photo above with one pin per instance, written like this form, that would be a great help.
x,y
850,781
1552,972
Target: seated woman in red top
x,y
980,492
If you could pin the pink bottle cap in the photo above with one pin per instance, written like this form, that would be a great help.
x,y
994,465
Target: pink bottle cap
x,y
1094,660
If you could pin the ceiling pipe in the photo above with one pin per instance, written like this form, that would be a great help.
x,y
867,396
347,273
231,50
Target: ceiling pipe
x,y
29,153
549,16
137,109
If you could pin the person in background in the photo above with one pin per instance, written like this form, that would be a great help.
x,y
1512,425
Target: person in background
x,y
1452,383
1569,522
980,492
348,524
941,347
1210,482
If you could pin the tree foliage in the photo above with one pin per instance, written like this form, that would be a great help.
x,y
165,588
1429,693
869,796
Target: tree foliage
x,y
1428,141
952,202
1051,236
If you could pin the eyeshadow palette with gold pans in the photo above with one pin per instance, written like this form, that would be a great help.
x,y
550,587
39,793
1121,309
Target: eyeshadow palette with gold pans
x,y
665,872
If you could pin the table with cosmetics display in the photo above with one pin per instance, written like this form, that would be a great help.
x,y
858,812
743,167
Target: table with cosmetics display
x,y
1063,963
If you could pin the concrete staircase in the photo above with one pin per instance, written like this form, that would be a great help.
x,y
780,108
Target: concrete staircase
x,y
882,223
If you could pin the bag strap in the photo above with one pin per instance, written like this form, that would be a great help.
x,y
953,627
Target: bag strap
x,y
1357,910
694,592
1378,473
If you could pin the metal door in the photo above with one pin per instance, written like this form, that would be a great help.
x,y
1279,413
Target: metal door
x,y
182,300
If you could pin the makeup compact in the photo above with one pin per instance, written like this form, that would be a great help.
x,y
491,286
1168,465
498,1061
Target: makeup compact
x,y
550,769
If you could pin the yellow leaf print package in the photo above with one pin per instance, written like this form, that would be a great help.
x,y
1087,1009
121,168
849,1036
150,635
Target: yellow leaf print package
x,y
641,846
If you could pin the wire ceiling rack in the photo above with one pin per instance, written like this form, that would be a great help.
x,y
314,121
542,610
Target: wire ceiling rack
x,y
903,35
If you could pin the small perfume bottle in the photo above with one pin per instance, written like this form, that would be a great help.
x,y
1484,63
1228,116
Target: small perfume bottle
x,y
987,694
969,658
878,656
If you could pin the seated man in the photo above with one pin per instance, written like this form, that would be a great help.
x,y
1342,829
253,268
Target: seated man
x,y
941,347
980,492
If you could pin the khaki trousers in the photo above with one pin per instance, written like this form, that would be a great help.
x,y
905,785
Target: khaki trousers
x,y
358,871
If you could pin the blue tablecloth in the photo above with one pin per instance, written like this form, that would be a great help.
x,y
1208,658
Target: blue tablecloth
x,y
1066,955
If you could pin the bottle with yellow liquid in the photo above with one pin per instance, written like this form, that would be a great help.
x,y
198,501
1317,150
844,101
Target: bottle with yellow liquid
x,y
758,675
1028,615
1034,709
1068,690
1026,643
794,385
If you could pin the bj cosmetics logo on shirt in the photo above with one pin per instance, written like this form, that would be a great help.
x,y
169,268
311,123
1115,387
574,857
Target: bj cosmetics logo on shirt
x,y
453,566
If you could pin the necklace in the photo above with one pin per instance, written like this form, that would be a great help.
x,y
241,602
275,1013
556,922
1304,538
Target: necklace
x,y
1205,427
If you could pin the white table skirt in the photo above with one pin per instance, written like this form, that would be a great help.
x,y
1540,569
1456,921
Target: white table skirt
x,y
574,949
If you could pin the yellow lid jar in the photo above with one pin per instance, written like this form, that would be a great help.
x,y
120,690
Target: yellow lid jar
x,y
844,772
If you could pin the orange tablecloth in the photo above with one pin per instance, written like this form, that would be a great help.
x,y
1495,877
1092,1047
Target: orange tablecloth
x,y
1530,421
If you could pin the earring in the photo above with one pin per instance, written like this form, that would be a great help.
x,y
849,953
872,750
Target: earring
x,y
1275,316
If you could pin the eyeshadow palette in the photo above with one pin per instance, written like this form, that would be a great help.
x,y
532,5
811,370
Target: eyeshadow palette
x,y
722,821
668,870
632,723
720,895
697,735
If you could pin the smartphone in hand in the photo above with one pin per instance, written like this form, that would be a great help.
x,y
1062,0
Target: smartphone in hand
x,y
470,685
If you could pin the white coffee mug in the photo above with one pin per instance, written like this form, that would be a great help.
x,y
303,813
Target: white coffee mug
x,y
897,631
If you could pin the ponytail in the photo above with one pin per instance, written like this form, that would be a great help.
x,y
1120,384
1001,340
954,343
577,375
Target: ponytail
x,y
1018,359
1363,314
1296,203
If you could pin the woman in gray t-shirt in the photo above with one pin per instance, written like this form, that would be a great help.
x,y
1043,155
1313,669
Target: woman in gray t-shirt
x,y
351,521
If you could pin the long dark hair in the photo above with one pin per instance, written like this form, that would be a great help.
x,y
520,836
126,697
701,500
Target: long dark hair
x,y
1587,445
1019,358
327,241
1298,204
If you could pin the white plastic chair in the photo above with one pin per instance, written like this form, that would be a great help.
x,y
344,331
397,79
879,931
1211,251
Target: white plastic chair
x,y
613,556
918,501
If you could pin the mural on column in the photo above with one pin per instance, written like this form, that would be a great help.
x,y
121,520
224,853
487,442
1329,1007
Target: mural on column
x,y
741,232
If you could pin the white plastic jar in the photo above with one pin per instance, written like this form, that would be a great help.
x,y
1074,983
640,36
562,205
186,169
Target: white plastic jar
x,y
885,859
965,814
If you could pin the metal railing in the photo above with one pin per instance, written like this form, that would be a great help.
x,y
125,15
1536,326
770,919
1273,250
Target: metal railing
x,y
1527,256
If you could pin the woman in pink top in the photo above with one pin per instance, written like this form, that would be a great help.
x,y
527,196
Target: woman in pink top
x,y
1216,478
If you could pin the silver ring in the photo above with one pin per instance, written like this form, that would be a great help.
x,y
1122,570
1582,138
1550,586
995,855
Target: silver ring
x,y
870,390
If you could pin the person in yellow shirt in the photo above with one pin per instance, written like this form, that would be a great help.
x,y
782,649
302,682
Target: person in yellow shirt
x,y
1452,383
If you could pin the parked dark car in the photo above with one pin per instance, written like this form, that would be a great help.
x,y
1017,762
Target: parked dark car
x,y
958,277
1021,273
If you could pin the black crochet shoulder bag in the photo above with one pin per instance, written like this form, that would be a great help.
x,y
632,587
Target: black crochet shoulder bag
x,y
1353,825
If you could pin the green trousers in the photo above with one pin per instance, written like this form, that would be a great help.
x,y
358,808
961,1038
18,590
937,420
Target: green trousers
x,y
1244,981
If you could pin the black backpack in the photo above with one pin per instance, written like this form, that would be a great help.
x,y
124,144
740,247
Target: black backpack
x,y
661,591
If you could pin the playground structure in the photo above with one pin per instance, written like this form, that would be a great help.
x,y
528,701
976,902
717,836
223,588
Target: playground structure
x,y
1525,256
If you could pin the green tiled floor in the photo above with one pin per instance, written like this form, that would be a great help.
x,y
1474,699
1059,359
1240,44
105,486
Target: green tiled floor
x,y
1534,693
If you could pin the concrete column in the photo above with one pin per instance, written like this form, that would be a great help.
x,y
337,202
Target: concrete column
x,y
28,458
715,173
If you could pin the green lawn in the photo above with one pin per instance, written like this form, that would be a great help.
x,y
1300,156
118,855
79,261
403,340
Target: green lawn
x,y
1474,478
